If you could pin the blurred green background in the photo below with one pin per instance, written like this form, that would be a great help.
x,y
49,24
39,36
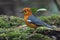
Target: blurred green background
x,y
12,7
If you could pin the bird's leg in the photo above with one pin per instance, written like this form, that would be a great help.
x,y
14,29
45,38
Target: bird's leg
x,y
32,33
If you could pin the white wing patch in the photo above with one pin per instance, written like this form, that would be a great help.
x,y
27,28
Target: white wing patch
x,y
29,20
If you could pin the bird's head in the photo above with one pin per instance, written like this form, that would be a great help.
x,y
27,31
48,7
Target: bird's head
x,y
26,11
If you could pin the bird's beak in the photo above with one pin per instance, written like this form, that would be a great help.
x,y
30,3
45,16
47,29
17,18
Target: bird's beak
x,y
21,11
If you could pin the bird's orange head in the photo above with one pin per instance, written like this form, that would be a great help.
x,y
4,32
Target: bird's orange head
x,y
27,11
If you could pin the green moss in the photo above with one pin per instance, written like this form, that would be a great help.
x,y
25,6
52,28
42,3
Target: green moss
x,y
11,21
8,29
53,19
21,34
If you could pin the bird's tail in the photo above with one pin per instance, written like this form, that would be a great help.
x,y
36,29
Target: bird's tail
x,y
47,25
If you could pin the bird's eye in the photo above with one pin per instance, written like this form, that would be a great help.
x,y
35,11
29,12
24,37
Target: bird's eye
x,y
24,11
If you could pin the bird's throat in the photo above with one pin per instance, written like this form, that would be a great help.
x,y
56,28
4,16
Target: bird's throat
x,y
26,15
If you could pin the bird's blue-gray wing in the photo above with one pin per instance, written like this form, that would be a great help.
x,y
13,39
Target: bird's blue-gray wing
x,y
37,21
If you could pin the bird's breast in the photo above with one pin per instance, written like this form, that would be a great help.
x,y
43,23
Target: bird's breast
x,y
30,24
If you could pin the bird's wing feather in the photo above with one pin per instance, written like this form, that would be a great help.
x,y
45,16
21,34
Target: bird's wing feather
x,y
29,20
34,20
37,21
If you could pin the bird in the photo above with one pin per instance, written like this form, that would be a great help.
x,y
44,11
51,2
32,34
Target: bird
x,y
32,21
